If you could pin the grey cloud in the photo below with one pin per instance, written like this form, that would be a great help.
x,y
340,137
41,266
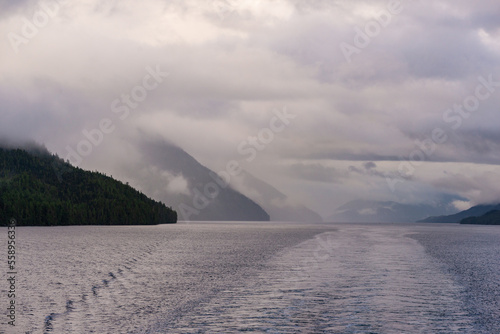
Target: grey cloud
x,y
479,189
370,169
317,173
342,155
19,6
468,145
369,165
227,73
483,143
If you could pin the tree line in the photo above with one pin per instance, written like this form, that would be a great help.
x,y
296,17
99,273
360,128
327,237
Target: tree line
x,y
32,193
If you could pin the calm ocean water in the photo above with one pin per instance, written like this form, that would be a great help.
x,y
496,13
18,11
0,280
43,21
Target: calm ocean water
x,y
255,277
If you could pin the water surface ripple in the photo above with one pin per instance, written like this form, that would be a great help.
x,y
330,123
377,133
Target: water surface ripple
x,y
257,277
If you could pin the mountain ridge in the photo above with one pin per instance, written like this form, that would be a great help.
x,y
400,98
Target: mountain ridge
x,y
203,197
474,211
489,218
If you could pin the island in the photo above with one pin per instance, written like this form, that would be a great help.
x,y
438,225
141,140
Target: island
x,y
38,188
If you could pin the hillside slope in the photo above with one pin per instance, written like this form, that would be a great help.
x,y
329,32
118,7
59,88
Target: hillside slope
x,y
475,211
33,192
489,218
201,198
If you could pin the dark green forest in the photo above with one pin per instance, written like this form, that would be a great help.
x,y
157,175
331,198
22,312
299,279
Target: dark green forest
x,y
38,188
490,218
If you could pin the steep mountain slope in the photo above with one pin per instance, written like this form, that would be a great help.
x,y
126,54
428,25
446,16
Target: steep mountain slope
x,y
37,188
193,189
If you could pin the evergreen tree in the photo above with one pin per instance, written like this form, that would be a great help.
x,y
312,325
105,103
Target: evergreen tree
x,y
33,192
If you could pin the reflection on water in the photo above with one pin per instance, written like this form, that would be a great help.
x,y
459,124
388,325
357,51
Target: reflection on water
x,y
258,277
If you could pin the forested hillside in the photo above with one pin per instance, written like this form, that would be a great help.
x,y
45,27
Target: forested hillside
x,y
489,218
37,188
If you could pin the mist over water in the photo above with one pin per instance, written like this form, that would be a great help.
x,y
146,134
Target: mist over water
x,y
257,277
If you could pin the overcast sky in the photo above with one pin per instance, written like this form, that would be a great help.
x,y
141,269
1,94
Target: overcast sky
x,y
366,85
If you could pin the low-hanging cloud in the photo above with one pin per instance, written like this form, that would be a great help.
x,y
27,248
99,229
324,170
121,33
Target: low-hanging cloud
x,y
231,64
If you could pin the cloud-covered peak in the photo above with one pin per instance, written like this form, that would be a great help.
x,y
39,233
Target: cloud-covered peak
x,y
392,99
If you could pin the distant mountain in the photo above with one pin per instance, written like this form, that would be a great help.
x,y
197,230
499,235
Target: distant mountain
x,y
475,211
277,204
489,218
364,211
33,192
194,190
